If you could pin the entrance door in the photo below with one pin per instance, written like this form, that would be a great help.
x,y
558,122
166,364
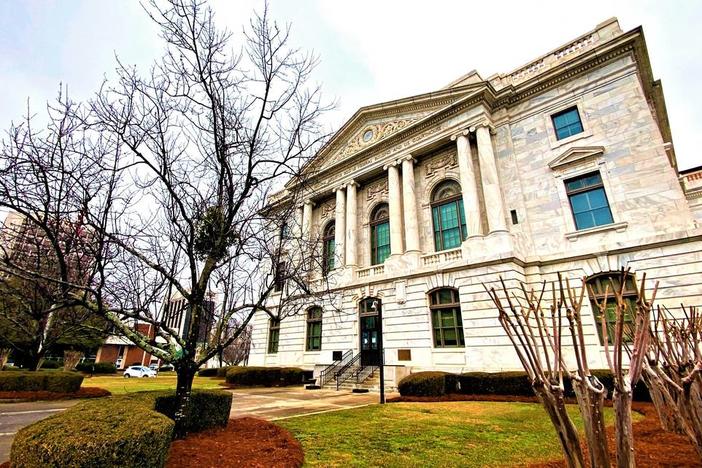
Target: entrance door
x,y
371,331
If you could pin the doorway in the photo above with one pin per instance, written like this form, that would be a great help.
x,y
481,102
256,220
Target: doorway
x,y
371,330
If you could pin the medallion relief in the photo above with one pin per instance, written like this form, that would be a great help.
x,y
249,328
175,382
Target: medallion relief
x,y
441,163
378,190
327,210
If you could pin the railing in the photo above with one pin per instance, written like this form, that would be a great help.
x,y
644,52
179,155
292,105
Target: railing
x,y
348,370
441,257
364,373
375,270
329,372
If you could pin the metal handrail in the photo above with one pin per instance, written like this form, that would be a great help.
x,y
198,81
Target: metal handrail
x,y
347,371
329,372
365,372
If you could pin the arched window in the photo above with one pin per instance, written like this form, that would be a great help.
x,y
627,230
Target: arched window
x,y
597,284
328,247
446,320
314,329
380,234
448,216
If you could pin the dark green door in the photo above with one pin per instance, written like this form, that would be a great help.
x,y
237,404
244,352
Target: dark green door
x,y
370,332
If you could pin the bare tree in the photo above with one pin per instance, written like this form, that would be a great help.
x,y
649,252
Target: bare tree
x,y
624,381
184,161
538,346
672,372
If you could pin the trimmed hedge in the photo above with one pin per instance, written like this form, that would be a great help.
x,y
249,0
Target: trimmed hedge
x,y
264,376
207,409
52,364
498,383
120,432
124,431
222,371
208,372
97,367
36,381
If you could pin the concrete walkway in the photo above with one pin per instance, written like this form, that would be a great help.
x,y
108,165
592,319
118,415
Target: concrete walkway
x,y
14,416
286,402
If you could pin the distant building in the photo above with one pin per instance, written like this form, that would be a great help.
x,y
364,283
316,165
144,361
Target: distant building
x,y
177,316
123,353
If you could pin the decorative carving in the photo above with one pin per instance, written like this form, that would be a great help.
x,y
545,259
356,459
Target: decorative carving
x,y
378,190
447,159
327,209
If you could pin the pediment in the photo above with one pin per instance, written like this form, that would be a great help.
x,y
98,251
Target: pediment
x,y
576,154
372,124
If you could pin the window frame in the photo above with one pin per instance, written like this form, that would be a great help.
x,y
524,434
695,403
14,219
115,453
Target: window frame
x,y
590,188
279,276
563,112
313,320
374,223
273,330
436,215
329,248
438,308
596,295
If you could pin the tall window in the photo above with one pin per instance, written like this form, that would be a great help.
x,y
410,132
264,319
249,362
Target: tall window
x,y
380,234
446,320
588,201
273,335
328,247
596,289
448,216
314,329
567,123
279,277
285,231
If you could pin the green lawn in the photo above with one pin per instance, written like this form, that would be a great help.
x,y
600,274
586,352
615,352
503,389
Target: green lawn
x,y
118,385
430,434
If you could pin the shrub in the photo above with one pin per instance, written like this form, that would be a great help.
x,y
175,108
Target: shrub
x,y
264,376
222,371
97,367
427,384
208,409
119,432
208,372
499,383
64,382
51,364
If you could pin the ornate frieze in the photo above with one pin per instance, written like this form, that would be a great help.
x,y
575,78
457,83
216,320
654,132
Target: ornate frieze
x,y
377,190
327,210
440,163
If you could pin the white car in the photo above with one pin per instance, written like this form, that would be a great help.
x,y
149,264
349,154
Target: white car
x,y
138,371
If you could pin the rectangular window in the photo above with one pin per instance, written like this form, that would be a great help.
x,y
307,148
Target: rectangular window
x,y
567,123
273,335
596,291
446,320
314,329
279,279
588,201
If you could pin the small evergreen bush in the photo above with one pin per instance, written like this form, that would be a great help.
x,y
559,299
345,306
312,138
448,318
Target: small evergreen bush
x,y
97,367
36,381
264,376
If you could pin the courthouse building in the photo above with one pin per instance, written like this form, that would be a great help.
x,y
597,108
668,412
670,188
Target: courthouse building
x,y
566,164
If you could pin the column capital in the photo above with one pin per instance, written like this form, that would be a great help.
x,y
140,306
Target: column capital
x,y
309,202
340,188
483,124
395,163
351,183
407,157
462,133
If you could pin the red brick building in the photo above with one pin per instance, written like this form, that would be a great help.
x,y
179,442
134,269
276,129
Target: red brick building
x,y
123,353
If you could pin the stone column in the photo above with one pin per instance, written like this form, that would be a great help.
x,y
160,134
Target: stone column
x,y
469,187
491,185
394,193
351,224
299,212
307,220
409,205
340,228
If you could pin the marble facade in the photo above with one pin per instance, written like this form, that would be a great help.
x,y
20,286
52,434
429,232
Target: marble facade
x,y
496,137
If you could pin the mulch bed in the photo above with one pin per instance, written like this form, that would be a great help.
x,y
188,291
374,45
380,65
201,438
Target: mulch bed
x,y
245,442
654,447
84,392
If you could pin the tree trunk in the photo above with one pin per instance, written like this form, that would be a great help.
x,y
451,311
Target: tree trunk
x,y
554,404
4,356
623,431
691,409
71,359
184,387
663,401
591,405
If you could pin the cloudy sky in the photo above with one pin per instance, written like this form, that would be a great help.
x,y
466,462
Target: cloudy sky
x,y
370,51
